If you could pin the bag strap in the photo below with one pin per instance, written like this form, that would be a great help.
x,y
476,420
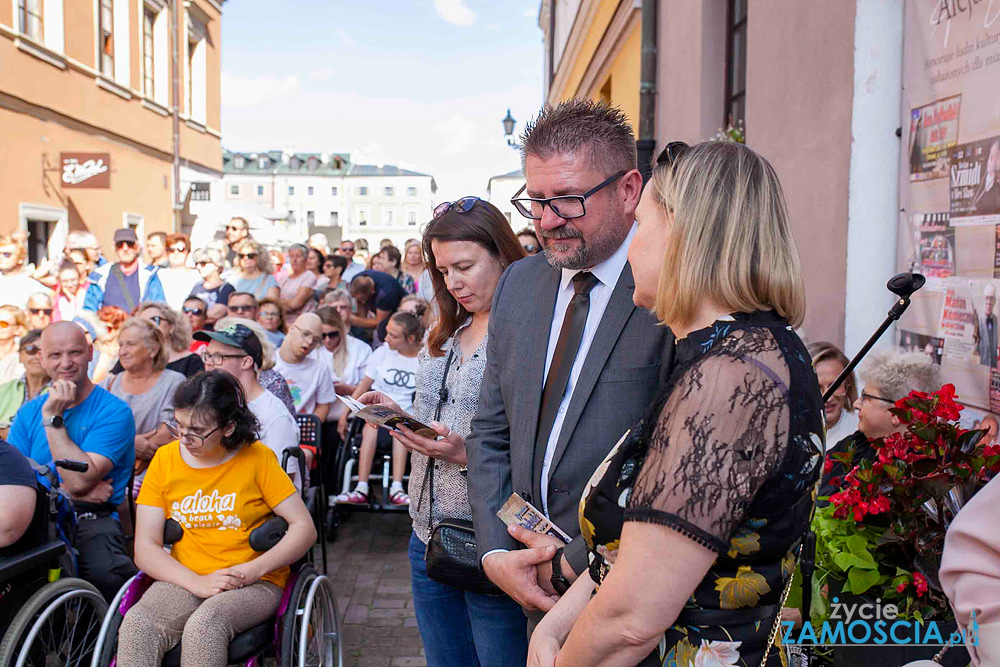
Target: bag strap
x,y
116,271
442,398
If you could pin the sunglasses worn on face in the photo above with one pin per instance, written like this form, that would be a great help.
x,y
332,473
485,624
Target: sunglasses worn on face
x,y
178,250
31,349
241,309
265,315
331,336
249,255
124,244
233,228
463,205
201,264
567,207
40,311
192,311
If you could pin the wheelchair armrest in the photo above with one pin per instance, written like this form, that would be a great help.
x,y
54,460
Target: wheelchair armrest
x,y
267,534
172,532
43,555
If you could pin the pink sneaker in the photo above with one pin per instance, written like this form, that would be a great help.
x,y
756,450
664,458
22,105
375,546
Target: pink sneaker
x,y
353,498
399,498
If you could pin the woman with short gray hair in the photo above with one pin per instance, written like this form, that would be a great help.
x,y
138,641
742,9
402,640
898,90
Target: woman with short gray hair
x,y
146,385
298,286
211,289
177,333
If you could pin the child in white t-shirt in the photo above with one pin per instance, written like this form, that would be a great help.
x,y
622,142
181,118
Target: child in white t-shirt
x,y
392,370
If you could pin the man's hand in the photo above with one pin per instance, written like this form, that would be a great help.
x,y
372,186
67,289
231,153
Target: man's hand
x,y
530,538
226,579
516,573
100,493
144,449
62,393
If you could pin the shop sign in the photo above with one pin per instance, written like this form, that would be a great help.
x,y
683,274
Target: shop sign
x,y
86,170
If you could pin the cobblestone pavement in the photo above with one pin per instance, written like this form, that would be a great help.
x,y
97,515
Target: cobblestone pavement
x,y
371,572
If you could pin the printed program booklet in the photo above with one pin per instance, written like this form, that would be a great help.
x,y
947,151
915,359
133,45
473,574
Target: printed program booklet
x,y
386,417
517,511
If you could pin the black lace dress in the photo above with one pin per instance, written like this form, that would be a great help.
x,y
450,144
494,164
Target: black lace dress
x,y
728,456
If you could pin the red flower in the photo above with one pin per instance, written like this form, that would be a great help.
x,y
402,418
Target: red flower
x,y
827,466
920,583
902,587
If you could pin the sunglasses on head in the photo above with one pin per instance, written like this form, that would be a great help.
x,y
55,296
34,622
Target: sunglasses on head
x,y
463,205
188,310
671,153
40,311
249,255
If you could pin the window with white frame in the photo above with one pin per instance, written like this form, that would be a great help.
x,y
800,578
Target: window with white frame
x,y
262,163
291,216
239,162
363,217
334,219
309,191
30,19
234,190
291,190
333,191
106,38
260,190
411,191
411,218
311,217
363,191
388,191
148,53
155,59
387,216
196,66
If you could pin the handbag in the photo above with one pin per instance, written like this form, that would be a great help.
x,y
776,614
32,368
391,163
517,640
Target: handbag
x,y
451,557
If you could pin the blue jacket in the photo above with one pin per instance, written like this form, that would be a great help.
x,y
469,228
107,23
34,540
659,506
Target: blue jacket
x,y
150,288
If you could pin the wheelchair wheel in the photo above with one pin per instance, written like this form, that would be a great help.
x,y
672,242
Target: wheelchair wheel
x,y
311,633
57,626
106,646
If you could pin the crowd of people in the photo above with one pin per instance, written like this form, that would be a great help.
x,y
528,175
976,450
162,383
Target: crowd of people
x,y
628,364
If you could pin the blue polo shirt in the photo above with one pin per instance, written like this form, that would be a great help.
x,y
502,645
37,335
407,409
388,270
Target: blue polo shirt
x,y
101,424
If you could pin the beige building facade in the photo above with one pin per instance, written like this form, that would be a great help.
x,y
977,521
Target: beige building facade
x,y
86,115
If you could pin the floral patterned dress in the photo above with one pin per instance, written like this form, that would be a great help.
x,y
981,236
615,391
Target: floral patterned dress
x,y
728,456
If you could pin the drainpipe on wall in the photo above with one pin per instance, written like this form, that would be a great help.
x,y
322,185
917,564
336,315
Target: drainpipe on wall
x,y
647,90
176,120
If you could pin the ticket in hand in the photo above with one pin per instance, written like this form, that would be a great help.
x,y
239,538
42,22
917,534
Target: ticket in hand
x,y
516,511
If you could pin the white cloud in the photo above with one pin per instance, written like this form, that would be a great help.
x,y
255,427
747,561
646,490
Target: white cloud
x,y
323,75
455,11
238,91
345,38
460,132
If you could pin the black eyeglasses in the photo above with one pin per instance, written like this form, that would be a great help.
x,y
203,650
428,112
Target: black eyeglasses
x,y
216,358
331,335
126,244
249,255
463,205
193,438
877,398
233,228
192,311
567,207
671,153
40,311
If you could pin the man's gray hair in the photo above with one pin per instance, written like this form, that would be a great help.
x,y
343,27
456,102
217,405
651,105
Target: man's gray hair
x,y
896,374
599,128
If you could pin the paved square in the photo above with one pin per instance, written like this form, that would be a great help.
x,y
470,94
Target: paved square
x,y
371,573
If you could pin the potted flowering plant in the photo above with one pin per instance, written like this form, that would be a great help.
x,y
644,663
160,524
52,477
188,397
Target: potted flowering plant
x,y
882,534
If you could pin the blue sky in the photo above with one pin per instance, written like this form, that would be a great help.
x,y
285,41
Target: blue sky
x,y
422,84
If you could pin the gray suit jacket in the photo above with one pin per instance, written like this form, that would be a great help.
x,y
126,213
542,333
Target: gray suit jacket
x,y
628,361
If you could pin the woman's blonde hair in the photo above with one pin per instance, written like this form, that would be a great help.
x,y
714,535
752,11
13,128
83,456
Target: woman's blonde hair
x,y
20,319
730,239
263,256
331,318
156,343
180,328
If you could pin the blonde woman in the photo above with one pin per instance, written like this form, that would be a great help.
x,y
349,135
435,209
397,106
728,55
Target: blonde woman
x,y
346,355
13,324
694,518
145,384
253,272
413,262
841,417
177,332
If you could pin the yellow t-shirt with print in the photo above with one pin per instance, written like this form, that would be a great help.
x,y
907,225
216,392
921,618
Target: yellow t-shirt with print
x,y
218,506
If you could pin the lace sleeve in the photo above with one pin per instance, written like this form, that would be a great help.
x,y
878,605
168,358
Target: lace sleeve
x,y
719,436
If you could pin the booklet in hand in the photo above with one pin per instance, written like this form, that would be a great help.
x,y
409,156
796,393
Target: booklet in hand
x,y
386,417
517,511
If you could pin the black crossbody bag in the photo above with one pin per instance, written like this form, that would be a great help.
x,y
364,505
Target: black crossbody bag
x,y
451,557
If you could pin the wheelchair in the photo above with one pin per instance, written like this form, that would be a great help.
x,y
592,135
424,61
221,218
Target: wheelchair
x,y
305,630
381,477
49,619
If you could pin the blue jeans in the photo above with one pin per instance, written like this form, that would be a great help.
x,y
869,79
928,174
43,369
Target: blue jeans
x,y
461,629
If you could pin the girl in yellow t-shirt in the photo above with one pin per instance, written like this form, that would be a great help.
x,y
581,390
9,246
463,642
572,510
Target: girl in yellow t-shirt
x,y
219,483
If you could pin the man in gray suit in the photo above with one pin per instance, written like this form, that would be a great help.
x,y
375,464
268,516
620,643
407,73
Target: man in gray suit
x,y
571,362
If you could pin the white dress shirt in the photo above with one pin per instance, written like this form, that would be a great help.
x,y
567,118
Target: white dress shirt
x,y
607,274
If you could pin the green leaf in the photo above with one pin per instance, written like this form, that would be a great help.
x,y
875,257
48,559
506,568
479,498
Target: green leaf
x,y
848,561
860,580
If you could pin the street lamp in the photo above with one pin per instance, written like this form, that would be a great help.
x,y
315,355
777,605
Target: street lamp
x,y
508,130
